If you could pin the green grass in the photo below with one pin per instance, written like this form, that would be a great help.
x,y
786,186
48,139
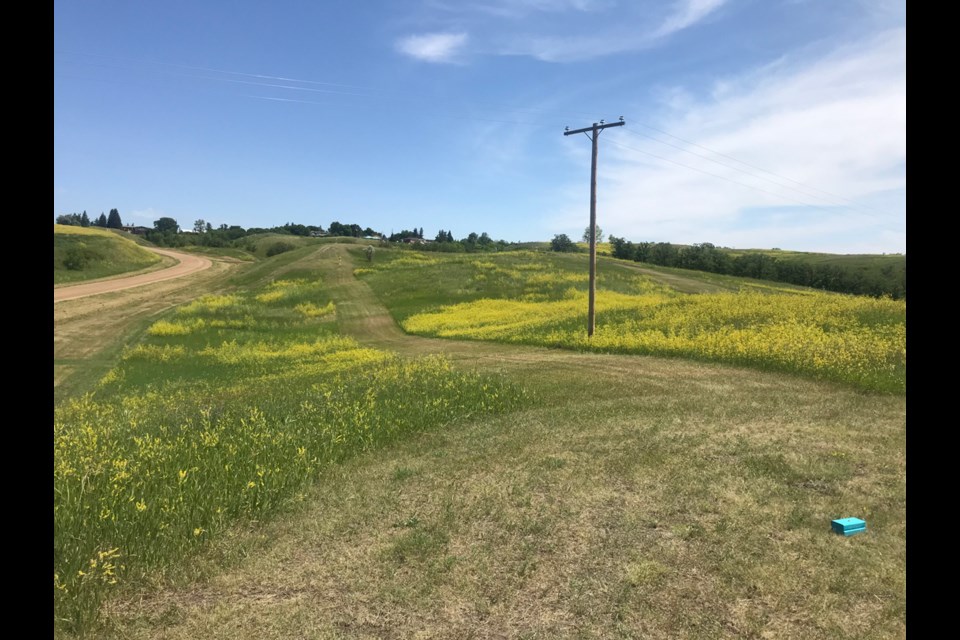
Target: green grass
x,y
226,411
636,498
620,497
540,299
81,254
260,244
411,282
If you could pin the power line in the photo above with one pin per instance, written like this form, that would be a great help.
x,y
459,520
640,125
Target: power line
x,y
749,173
752,166
742,184
594,130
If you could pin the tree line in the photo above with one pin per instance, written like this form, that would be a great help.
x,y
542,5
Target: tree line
x,y
886,280
166,232
82,220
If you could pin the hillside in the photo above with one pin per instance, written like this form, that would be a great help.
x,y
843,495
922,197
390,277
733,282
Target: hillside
x,y
86,253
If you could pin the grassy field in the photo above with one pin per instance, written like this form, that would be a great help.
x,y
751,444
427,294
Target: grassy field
x,y
81,254
596,496
541,299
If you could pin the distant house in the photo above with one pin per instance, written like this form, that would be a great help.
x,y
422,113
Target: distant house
x,y
417,240
137,231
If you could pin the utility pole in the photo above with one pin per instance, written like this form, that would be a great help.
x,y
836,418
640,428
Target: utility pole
x,y
595,131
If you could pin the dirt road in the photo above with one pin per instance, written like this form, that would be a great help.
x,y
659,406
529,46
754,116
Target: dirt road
x,y
188,264
89,330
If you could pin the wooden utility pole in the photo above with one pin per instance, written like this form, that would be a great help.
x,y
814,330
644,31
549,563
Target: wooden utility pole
x,y
594,133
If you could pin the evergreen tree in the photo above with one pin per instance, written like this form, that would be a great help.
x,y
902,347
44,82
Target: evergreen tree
x,y
102,220
113,221
84,220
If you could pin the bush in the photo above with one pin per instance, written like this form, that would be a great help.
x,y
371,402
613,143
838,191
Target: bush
x,y
79,257
279,247
562,242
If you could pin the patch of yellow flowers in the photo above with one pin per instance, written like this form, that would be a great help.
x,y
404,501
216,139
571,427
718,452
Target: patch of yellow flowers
x,y
855,339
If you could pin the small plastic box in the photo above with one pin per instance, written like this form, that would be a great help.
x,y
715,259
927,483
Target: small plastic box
x,y
849,526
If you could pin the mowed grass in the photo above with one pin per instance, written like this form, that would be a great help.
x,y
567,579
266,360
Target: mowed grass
x,y
541,299
638,498
225,412
619,497
84,253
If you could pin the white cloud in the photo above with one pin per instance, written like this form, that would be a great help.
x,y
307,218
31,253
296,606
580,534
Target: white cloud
x,y
622,35
685,14
433,47
514,9
837,125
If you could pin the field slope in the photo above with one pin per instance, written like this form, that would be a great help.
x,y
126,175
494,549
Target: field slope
x,y
86,253
628,496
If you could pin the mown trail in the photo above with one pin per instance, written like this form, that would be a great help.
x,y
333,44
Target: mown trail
x,y
362,316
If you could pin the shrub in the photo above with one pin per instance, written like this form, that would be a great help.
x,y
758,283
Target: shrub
x,y
79,257
279,247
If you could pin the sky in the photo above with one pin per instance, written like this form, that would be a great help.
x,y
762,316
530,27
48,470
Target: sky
x,y
748,123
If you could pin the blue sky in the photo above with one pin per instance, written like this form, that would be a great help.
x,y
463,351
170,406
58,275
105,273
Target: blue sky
x,y
749,123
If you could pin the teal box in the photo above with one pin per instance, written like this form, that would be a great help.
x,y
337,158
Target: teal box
x,y
849,526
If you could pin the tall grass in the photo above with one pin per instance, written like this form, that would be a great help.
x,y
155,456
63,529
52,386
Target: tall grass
x,y
225,412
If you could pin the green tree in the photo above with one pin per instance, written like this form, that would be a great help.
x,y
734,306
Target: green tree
x,y
622,248
113,220
84,220
164,225
562,242
102,220
199,226
586,234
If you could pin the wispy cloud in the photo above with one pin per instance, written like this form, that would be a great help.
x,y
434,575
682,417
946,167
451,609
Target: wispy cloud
x,y
433,47
836,125
686,13
625,30
522,8
554,30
